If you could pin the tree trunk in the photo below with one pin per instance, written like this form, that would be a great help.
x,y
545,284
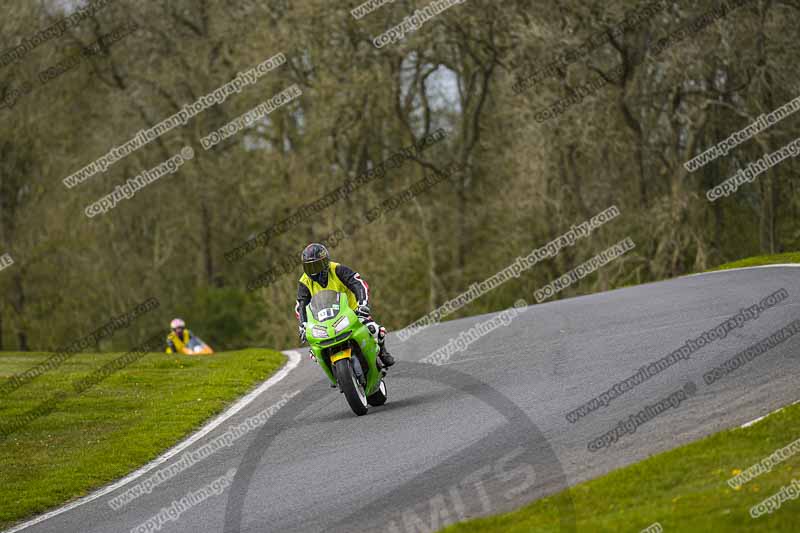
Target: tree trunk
x,y
208,257
19,307
22,341
767,215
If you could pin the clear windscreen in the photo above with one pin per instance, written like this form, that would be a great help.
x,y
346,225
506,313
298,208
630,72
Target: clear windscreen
x,y
324,305
195,342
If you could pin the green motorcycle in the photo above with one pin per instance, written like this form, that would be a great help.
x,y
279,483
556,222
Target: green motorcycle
x,y
346,350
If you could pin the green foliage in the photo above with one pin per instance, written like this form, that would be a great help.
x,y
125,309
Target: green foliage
x,y
525,182
226,318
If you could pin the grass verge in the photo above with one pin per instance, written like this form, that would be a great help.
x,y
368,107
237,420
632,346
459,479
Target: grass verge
x,y
759,260
128,419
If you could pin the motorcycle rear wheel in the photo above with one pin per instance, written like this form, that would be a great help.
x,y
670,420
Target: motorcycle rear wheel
x,y
379,396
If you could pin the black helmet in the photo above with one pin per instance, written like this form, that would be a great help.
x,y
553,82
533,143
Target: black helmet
x,y
315,260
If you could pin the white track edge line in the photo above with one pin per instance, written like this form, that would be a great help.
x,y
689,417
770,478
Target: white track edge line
x,y
795,265
760,418
294,360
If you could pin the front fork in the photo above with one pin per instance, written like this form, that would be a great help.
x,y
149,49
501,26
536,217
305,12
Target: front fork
x,y
354,360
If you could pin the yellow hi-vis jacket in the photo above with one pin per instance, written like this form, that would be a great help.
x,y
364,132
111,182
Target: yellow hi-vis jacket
x,y
334,284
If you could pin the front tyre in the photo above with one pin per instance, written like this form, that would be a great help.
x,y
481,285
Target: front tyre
x,y
379,396
349,385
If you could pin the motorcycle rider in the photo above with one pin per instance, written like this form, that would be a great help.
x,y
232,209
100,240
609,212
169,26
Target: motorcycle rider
x,y
179,337
320,273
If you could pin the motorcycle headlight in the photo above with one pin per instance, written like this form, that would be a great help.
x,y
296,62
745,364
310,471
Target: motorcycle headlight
x,y
340,326
319,332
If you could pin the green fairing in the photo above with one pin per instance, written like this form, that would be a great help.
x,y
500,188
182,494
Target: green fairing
x,y
356,334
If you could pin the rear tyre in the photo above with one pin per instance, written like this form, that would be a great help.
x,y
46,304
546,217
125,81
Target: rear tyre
x,y
379,396
349,385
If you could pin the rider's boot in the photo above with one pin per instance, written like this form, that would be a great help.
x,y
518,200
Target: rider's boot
x,y
385,357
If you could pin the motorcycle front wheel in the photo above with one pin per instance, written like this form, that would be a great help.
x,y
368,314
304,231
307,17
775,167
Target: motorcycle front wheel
x,y
349,385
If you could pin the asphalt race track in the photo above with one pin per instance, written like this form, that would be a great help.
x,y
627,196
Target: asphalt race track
x,y
485,432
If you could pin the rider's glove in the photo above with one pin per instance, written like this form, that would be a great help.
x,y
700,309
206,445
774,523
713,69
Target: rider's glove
x,y
362,311
302,333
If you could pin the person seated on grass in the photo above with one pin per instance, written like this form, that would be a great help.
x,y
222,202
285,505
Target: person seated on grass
x,y
179,338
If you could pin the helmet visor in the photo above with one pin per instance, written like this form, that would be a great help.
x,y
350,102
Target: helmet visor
x,y
315,267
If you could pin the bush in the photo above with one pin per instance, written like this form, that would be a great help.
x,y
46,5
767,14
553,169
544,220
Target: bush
x,y
226,318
